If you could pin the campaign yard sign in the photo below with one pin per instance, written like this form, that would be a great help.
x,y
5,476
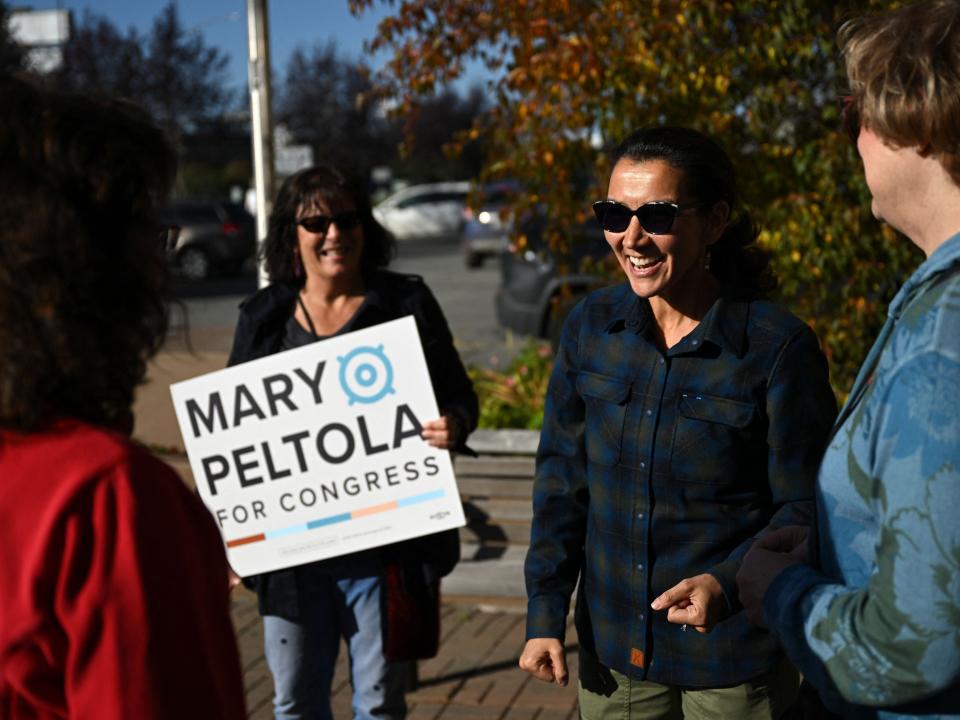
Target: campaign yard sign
x,y
316,451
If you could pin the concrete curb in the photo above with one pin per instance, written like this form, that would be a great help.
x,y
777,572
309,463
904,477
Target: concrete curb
x,y
505,442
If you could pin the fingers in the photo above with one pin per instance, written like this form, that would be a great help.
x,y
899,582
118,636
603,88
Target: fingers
x,y
559,662
437,433
444,432
679,603
784,539
696,601
437,440
544,659
678,593
690,615
693,616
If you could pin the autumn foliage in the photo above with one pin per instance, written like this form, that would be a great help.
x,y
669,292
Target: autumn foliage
x,y
762,76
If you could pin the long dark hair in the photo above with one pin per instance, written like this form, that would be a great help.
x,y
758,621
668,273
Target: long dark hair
x,y
741,266
333,187
82,274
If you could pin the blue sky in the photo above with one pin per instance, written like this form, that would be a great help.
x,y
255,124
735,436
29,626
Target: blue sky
x,y
224,25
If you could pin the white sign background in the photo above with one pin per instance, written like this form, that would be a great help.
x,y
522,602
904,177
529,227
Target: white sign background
x,y
393,486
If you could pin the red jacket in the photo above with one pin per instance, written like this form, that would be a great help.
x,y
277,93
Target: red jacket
x,y
113,589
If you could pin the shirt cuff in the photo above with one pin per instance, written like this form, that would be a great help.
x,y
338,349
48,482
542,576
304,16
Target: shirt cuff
x,y
785,613
547,618
725,573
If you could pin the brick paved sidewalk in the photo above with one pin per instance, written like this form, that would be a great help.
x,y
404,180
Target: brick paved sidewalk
x,y
474,676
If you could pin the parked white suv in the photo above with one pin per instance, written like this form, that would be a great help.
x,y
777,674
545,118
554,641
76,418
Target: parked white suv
x,y
433,210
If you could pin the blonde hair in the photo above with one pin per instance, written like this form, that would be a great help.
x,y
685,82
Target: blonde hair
x,y
904,72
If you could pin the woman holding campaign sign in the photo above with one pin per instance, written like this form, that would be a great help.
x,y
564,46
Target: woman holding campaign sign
x,y
325,256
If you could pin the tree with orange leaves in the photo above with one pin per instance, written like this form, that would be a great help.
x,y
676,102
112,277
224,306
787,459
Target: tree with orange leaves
x,y
574,76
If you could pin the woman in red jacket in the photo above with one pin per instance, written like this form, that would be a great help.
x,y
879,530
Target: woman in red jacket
x,y
113,580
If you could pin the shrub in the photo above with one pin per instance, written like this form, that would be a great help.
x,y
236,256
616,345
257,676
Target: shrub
x,y
514,398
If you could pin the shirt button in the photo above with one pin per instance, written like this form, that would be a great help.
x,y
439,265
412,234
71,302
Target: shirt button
x,y
640,516
694,342
640,567
649,413
642,464
661,361
641,616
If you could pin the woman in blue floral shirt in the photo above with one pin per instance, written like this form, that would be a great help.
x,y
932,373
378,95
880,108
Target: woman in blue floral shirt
x,y
874,621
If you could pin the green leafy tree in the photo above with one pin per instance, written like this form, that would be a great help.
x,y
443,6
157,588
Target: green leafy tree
x,y
98,56
761,76
186,80
321,102
170,70
178,79
433,151
327,101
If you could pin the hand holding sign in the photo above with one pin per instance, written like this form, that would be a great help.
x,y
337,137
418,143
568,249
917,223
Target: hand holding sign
x,y
299,463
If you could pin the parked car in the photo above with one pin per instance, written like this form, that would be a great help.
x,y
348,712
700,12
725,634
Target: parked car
x,y
486,231
215,237
538,288
433,210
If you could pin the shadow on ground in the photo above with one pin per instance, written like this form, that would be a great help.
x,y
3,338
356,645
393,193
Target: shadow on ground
x,y
484,669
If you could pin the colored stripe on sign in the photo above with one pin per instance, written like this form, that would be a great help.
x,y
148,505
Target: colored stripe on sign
x,y
292,530
334,519
374,509
417,499
246,540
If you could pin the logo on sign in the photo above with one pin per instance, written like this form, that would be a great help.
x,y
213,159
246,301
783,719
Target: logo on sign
x,y
366,374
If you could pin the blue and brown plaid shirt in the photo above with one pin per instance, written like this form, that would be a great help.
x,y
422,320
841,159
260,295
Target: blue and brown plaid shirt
x,y
654,467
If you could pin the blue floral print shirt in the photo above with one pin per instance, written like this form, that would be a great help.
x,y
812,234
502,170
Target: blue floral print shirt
x,y
878,625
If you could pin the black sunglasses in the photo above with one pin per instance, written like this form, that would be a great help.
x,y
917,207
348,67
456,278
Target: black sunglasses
x,y
319,224
656,218
850,116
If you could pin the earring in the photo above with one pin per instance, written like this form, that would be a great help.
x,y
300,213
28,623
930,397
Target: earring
x,y
297,264
706,260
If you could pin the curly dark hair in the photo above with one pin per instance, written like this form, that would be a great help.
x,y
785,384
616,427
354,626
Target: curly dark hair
x,y
333,187
741,266
82,275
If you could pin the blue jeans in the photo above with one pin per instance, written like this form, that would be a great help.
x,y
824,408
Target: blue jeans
x,y
338,598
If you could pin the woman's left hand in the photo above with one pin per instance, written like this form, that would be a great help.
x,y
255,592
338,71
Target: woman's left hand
x,y
443,433
698,602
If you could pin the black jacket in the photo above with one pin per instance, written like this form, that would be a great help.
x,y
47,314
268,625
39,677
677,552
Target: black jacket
x,y
260,331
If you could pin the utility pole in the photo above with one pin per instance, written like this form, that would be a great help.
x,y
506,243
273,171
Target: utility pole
x,y
261,119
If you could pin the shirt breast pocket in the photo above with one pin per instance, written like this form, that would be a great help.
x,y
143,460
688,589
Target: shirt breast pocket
x,y
605,399
713,439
